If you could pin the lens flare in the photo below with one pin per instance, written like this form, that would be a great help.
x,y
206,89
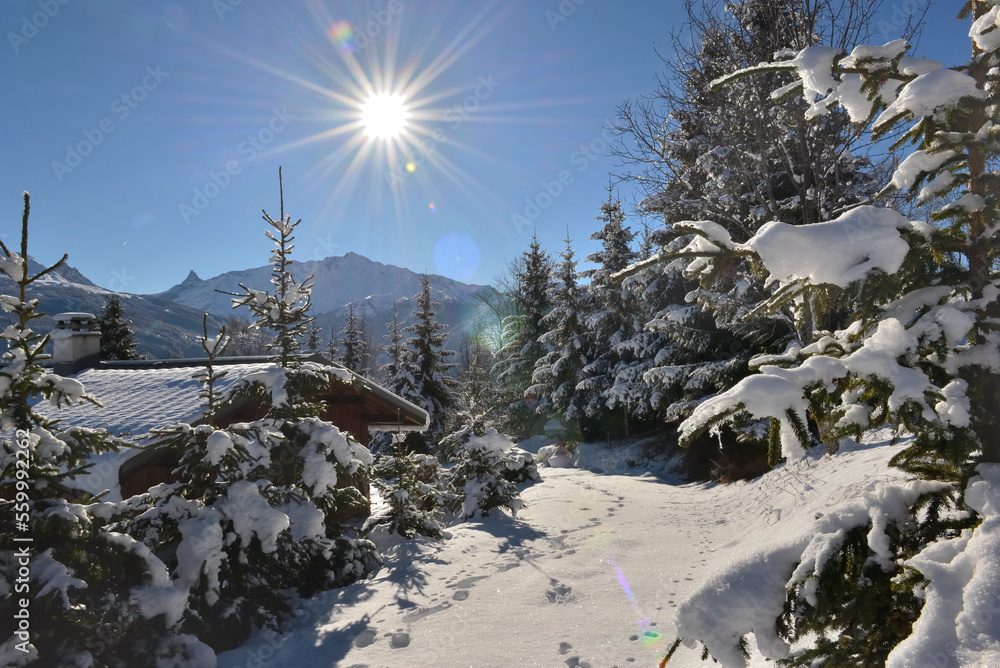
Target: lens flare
x,y
651,638
341,33
456,255
625,586
386,101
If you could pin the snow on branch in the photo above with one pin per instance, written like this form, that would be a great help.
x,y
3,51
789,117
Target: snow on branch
x,y
839,252
777,392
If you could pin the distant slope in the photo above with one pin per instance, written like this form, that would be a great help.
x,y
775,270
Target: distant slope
x,y
338,281
168,324
163,329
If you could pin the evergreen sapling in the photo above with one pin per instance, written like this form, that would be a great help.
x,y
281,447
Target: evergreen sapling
x,y
96,595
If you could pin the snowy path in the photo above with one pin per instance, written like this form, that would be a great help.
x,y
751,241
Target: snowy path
x,y
590,574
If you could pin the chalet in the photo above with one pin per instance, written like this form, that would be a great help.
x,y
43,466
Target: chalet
x,y
142,395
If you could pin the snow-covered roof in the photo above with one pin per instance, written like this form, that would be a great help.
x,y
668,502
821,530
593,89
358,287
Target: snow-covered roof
x,y
138,396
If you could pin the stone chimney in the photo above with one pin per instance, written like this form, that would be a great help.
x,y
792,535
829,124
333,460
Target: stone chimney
x,y
76,343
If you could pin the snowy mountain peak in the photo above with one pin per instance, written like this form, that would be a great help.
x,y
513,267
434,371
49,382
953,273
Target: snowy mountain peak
x,y
337,281
164,329
65,274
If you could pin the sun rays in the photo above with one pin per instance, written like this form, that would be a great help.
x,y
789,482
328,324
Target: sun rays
x,y
385,113
384,108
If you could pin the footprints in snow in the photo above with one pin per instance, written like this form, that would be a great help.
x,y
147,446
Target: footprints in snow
x,y
573,661
365,638
559,542
651,635
559,593
369,636
425,612
468,582
400,638
465,584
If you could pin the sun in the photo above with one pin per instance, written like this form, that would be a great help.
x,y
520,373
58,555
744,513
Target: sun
x,y
383,111
384,116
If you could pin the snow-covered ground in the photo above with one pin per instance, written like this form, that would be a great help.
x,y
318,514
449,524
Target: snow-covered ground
x,y
589,574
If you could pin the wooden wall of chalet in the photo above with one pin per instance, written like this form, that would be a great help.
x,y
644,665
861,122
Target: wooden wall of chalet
x,y
149,476
347,417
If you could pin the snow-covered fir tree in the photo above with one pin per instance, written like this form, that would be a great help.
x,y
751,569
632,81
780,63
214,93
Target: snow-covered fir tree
x,y
395,375
487,470
73,604
369,345
352,342
558,372
920,353
656,291
428,363
245,339
653,291
739,158
394,351
257,515
411,486
314,340
117,337
610,387
254,518
333,352
532,279
286,312
476,391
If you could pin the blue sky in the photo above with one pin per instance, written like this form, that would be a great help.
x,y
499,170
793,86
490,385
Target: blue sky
x,y
149,134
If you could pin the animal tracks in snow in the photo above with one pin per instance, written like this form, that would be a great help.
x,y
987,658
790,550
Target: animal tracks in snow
x,y
425,612
581,559
368,637
573,661
560,593
400,638
365,638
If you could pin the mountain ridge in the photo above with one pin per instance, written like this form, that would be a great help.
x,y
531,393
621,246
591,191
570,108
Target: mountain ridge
x,y
333,287
164,329
167,324
339,280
